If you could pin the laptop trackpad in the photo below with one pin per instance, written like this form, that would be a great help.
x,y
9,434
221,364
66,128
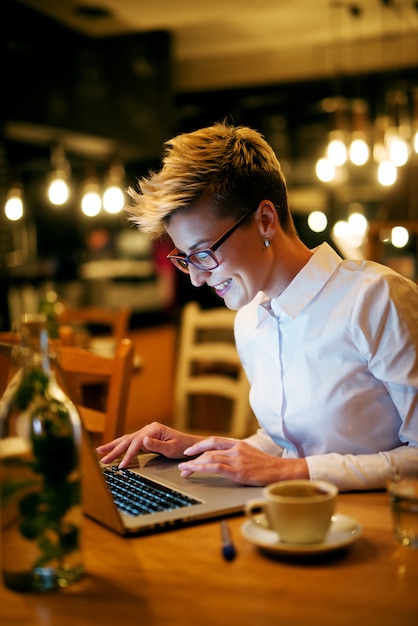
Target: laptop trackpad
x,y
152,465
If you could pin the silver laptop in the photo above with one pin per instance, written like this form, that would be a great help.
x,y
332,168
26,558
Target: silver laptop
x,y
159,498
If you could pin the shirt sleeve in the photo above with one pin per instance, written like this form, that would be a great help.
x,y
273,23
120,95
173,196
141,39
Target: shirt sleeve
x,y
264,442
351,472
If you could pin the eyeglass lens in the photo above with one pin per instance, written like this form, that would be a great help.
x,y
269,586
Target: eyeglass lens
x,y
203,259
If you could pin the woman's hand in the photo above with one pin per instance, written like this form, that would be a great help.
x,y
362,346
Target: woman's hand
x,y
240,462
230,458
154,437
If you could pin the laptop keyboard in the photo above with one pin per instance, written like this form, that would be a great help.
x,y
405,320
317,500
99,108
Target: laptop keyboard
x,y
135,495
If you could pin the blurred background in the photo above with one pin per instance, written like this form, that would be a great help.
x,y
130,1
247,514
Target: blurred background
x,y
92,88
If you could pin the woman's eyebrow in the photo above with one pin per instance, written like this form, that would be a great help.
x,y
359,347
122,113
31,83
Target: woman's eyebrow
x,y
199,244
196,246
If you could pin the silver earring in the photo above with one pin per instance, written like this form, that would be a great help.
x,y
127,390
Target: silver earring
x,y
266,243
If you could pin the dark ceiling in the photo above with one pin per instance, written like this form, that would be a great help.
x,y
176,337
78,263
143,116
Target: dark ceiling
x,y
115,96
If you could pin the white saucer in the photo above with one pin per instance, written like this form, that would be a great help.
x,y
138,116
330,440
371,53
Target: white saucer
x,y
343,531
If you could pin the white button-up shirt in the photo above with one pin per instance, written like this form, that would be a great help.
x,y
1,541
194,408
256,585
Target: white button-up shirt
x,y
333,369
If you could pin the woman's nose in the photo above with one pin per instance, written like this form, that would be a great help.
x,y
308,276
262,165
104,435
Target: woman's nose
x,y
197,277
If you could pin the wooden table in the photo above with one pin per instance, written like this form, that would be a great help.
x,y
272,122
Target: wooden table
x,y
179,578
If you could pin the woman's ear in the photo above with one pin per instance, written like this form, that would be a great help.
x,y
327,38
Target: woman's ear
x,y
267,219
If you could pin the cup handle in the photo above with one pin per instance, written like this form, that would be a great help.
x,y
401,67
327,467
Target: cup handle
x,y
255,507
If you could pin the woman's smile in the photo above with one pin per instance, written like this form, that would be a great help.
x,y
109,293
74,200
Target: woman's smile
x,y
221,288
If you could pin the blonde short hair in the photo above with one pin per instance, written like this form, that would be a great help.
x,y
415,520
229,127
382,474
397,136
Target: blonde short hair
x,y
233,166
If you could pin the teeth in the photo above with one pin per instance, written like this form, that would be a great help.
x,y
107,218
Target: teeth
x,y
223,285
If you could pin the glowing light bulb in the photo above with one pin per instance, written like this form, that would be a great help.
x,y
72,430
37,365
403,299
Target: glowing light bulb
x,y
113,200
358,223
399,236
337,152
359,151
317,221
14,206
387,173
341,229
398,151
58,192
91,204
325,170
344,230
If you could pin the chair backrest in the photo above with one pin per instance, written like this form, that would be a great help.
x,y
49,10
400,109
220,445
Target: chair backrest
x,y
115,322
8,339
209,368
82,367
5,365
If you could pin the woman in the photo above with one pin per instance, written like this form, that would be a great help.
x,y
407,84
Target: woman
x,y
329,345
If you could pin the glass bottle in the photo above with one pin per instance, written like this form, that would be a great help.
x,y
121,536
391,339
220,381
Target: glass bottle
x,y
40,483
50,306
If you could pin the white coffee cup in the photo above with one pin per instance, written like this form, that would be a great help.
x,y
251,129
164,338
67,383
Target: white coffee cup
x,y
299,511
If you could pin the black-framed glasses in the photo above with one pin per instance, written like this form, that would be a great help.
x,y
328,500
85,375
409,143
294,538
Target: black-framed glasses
x,y
205,259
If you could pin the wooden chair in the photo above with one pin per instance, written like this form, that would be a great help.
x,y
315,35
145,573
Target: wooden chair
x,y
80,366
210,380
8,339
5,365
111,323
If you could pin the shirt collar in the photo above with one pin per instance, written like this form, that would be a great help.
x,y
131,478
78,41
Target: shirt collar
x,y
305,285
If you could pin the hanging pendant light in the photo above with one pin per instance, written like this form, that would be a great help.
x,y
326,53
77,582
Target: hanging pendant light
x,y
336,151
13,208
91,203
113,197
58,189
359,151
397,134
